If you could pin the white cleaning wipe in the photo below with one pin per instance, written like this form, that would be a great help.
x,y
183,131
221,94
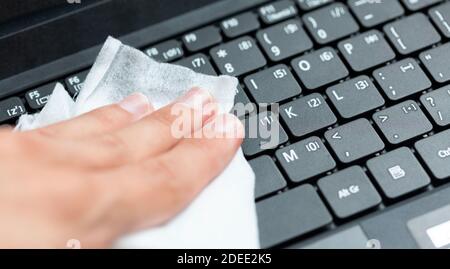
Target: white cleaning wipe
x,y
223,215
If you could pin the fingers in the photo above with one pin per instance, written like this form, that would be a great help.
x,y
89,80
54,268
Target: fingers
x,y
151,192
103,120
161,130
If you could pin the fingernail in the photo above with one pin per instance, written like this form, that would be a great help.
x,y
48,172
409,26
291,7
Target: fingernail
x,y
136,104
196,98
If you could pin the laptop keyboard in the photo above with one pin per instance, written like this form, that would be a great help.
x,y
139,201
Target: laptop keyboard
x,y
364,105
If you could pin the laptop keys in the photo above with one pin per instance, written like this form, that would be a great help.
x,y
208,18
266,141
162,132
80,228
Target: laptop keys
x,y
268,178
436,62
311,4
349,192
305,159
437,103
330,23
284,40
290,214
412,33
435,151
307,115
354,97
273,85
372,13
419,4
202,38
402,79
402,122
238,57
319,68
354,140
398,173
37,98
277,11
441,17
75,83
11,109
366,50
166,52
199,63
240,24
263,132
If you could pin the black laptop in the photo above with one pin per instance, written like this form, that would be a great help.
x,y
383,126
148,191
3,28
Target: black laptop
x,y
363,87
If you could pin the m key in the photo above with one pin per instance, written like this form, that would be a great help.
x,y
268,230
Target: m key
x,y
305,159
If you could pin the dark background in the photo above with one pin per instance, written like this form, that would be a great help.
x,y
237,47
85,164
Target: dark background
x,y
35,32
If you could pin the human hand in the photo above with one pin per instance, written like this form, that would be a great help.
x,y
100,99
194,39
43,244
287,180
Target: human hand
x,y
109,172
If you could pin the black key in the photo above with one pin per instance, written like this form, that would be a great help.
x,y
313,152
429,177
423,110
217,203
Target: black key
x,y
419,4
268,178
273,85
311,4
330,23
284,40
240,24
354,140
437,103
441,17
75,83
202,38
290,214
402,79
277,11
435,151
355,97
199,63
436,62
242,104
349,192
305,159
319,68
402,122
371,13
307,115
11,109
398,173
412,33
366,50
262,132
166,52
37,98
238,57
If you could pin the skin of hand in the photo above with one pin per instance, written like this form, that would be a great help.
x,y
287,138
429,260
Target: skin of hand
x,y
109,172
